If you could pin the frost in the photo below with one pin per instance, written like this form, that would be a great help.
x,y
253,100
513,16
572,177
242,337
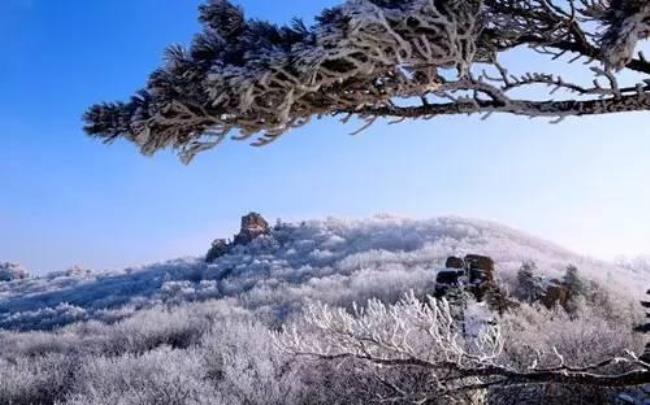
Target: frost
x,y
333,261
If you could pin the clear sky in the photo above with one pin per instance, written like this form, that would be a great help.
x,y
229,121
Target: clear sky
x,y
66,199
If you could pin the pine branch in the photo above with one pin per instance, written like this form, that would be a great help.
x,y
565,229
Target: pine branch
x,y
252,80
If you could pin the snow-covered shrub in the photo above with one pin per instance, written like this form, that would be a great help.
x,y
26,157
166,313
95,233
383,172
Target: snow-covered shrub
x,y
176,292
246,366
533,333
182,327
412,348
39,380
423,351
154,328
548,338
36,344
218,351
45,318
638,264
161,376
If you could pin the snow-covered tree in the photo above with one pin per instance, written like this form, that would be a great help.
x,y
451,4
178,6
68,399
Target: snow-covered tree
x,y
423,337
575,286
530,286
400,59
574,283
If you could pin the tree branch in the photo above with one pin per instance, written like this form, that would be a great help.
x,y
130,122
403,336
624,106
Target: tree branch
x,y
552,109
258,80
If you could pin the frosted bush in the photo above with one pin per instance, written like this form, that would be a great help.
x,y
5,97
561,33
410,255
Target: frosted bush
x,y
154,328
246,367
40,380
583,337
413,352
161,376
534,335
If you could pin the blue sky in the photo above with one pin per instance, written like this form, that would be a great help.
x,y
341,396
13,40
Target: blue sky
x,y
66,199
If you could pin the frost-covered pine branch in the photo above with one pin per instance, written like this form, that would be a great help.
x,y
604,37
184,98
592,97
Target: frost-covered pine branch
x,y
249,78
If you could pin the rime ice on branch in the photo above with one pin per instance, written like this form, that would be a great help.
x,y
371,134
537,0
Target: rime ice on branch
x,y
251,78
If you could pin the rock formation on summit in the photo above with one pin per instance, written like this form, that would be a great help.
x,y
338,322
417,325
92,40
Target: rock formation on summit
x,y
252,227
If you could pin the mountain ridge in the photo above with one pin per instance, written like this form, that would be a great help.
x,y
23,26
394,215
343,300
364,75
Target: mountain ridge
x,y
332,260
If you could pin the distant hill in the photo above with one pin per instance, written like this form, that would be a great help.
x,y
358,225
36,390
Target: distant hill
x,y
335,261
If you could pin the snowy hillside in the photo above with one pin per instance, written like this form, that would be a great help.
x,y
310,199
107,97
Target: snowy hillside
x,y
333,261
638,264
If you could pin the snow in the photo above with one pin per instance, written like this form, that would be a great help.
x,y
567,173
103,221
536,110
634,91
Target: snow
x,y
334,261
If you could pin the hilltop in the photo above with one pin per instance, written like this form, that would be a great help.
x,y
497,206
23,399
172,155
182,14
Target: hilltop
x,y
275,274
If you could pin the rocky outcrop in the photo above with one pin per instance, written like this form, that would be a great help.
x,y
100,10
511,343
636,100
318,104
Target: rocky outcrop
x,y
556,293
480,274
447,279
219,248
12,271
454,263
474,273
481,269
252,227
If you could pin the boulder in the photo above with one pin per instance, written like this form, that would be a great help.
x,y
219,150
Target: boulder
x,y
451,277
481,262
446,279
12,271
480,268
475,273
455,263
253,226
480,274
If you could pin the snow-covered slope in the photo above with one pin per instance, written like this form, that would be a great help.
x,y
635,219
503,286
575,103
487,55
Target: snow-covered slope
x,y
638,264
333,260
